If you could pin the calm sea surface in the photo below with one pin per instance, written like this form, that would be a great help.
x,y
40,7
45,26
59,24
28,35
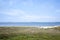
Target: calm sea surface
x,y
29,23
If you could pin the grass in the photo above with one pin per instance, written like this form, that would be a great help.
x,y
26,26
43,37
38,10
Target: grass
x,y
57,28
28,33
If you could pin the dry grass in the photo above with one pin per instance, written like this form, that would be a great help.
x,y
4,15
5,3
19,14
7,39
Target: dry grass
x,y
31,33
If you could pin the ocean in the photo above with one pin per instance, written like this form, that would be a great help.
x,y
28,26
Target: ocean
x,y
29,23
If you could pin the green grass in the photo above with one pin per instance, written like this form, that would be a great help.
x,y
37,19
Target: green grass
x,y
32,37
28,33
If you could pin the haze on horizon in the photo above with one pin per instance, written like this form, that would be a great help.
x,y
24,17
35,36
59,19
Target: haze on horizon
x,y
29,10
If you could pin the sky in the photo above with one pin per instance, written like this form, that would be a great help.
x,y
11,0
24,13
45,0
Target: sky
x,y
29,10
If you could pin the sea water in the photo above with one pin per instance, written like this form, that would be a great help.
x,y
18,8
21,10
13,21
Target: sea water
x,y
29,23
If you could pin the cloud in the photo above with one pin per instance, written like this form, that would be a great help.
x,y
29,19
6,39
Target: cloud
x,y
19,15
12,12
15,2
22,11
27,2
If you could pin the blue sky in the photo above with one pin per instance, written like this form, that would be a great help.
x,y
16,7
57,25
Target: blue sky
x,y
29,10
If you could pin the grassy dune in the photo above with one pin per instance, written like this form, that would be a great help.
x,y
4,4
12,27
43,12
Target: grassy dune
x,y
29,33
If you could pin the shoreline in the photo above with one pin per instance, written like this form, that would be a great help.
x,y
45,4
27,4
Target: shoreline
x,y
33,26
